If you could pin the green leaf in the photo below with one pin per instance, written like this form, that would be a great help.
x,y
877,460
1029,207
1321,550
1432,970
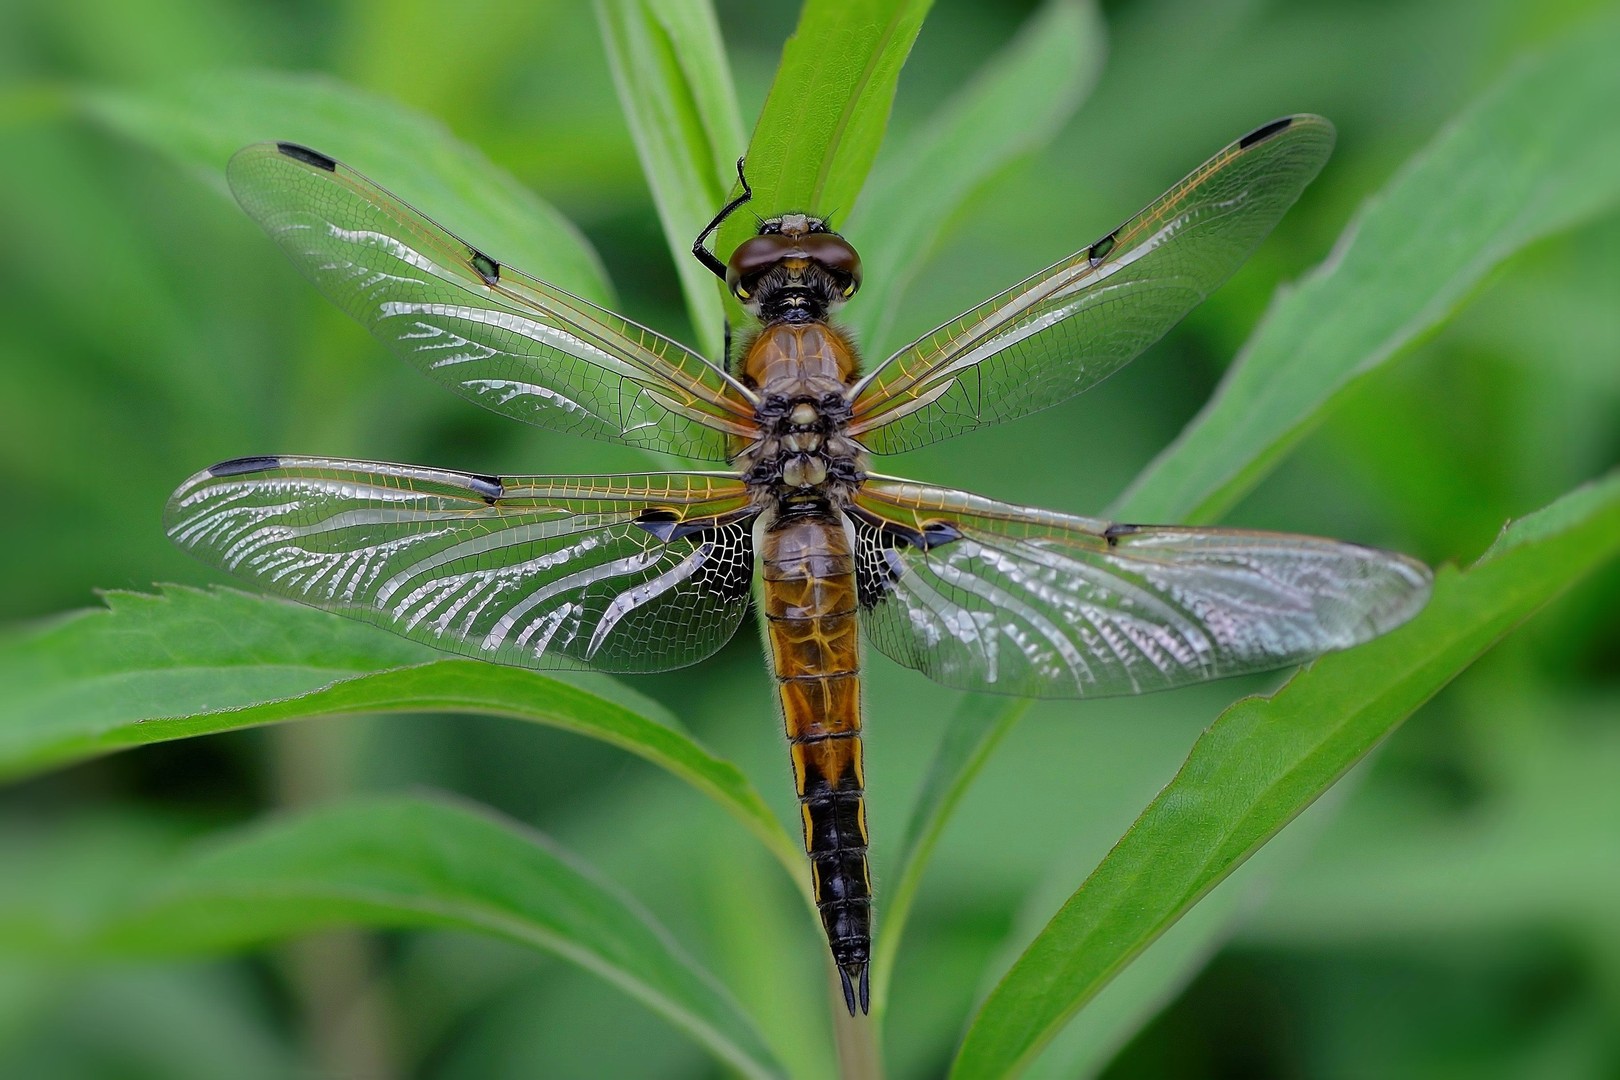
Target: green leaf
x,y
413,862
673,81
827,109
192,662
1012,106
1266,759
201,122
1545,757
1537,154
967,742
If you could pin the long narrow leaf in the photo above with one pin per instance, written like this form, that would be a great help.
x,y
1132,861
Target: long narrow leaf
x,y
673,81
412,862
1012,106
190,662
1537,154
1266,759
828,108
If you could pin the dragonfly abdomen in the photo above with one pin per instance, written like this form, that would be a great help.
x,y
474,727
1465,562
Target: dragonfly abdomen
x,y
810,620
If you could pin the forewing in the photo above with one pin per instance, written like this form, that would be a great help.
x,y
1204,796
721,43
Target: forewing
x,y
508,341
613,573
1077,322
982,595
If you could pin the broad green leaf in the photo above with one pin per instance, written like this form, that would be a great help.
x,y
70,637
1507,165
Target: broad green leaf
x,y
413,862
192,662
1011,107
670,70
827,109
966,744
1266,759
1537,154
201,122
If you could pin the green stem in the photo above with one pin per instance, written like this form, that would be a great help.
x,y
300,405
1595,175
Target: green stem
x,y
855,1036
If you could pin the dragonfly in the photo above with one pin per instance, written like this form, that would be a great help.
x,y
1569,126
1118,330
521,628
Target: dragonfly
x,y
651,571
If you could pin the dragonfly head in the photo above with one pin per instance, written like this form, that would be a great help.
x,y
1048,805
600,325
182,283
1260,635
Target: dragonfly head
x,y
795,270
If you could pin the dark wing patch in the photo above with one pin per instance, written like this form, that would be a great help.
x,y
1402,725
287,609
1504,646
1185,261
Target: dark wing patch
x,y
878,544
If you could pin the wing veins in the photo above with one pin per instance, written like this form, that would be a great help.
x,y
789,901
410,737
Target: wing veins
x,y
1064,329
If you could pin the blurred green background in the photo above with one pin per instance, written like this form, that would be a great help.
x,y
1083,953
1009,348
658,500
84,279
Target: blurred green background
x,y
1450,910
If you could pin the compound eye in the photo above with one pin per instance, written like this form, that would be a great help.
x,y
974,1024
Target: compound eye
x,y
753,257
839,257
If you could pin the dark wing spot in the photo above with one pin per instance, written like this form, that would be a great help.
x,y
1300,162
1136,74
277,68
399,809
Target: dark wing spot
x,y
238,466
307,156
1261,134
489,487
1114,532
487,268
1099,251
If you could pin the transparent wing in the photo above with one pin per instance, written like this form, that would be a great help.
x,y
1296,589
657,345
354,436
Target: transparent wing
x,y
1077,322
615,573
512,343
982,595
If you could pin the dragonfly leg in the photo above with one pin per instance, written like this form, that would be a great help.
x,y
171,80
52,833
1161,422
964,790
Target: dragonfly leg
x,y
703,254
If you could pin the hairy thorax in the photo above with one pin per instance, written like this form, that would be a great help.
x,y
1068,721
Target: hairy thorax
x,y
802,373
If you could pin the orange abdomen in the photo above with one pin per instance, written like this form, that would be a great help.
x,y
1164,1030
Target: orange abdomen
x,y
810,623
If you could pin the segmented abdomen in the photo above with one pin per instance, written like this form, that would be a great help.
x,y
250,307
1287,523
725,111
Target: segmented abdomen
x,y
810,612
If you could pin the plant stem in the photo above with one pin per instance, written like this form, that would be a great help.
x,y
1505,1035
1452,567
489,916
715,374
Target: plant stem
x,y
344,1015
856,1036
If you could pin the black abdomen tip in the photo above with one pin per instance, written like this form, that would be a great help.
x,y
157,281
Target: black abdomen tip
x,y
1261,134
238,466
857,986
307,156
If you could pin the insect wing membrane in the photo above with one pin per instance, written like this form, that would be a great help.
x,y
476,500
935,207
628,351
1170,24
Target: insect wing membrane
x,y
987,596
1075,323
508,341
614,573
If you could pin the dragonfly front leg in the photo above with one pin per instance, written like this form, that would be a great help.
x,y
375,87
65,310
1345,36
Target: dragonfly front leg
x,y
703,254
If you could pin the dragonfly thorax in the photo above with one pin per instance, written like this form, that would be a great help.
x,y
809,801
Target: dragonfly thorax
x,y
802,373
